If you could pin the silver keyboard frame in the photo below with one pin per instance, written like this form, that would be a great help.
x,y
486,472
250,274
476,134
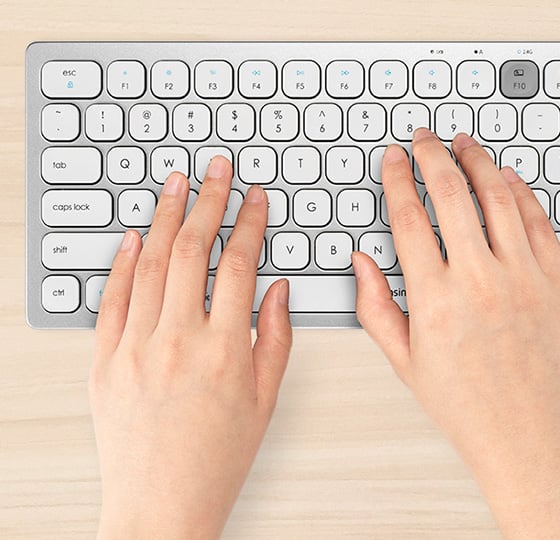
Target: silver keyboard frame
x,y
236,52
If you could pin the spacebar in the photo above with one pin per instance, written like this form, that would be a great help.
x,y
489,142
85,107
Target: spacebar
x,y
320,294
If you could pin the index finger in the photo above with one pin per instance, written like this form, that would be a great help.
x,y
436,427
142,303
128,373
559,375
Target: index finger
x,y
456,215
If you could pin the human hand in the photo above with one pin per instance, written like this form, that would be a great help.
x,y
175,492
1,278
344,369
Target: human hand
x,y
181,398
480,348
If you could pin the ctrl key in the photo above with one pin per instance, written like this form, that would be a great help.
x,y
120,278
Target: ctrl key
x,y
61,294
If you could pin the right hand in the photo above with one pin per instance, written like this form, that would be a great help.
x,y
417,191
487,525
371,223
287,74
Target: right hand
x,y
481,347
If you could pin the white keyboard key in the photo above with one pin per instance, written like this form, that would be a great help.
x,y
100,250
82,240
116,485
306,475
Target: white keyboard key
x,y
94,291
431,211
312,207
234,203
256,165
552,79
126,165
319,294
333,251
60,294
71,165
345,79
379,246
80,251
388,79
524,160
77,208
213,79
344,165
71,79
104,122
193,195
279,122
323,122
476,79
235,122
355,208
301,79
552,164
257,79
541,122
432,79
453,118
60,122
126,79
277,207
136,207
407,117
290,251
375,163
166,159
497,122
204,155
544,199
367,122
147,122
170,79
301,165
191,122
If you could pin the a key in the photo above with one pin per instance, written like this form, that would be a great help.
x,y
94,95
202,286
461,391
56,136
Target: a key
x,y
345,79
170,79
312,207
432,79
301,79
290,251
279,122
191,122
497,122
541,121
257,79
323,122
126,165
476,79
524,160
552,164
147,122
367,122
104,122
519,79
333,250
94,291
345,165
71,165
301,165
204,155
355,208
77,208
407,117
388,79
126,79
380,247
166,159
60,294
256,165
213,79
453,118
60,122
136,207
277,207
235,122
71,79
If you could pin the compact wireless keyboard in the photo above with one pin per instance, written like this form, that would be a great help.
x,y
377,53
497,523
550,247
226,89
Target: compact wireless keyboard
x,y
107,122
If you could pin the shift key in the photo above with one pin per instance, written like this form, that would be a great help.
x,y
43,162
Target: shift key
x,y
80,251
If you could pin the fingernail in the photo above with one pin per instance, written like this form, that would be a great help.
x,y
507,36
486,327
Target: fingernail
x,y
421,133
284,292
255,194
509,174
394,153
174,184
356,265
462,141
217,167
127,241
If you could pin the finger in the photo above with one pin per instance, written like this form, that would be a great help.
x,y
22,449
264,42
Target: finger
x,y
538,229
234,287
501,216
151,270
273,344
455,211
187,276
380,316
414,238
113,310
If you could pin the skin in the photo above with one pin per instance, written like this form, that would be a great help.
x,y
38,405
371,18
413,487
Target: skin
x,y
181,399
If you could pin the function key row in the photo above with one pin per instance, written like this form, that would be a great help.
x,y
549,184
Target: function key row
x,y
127,79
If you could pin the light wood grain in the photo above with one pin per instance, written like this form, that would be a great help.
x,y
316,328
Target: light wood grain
x,y
348,453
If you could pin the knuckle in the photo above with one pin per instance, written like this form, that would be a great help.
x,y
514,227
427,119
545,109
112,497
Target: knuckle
x,y
190,245
407,216
449,188
239,260
150,266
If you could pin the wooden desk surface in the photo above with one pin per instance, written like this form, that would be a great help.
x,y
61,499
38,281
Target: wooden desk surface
x,y
348,453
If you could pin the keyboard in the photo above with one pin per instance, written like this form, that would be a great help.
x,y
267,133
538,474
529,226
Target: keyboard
x,y
106,122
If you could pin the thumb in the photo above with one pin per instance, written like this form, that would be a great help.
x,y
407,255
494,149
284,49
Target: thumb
x,y
380,316
273,344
